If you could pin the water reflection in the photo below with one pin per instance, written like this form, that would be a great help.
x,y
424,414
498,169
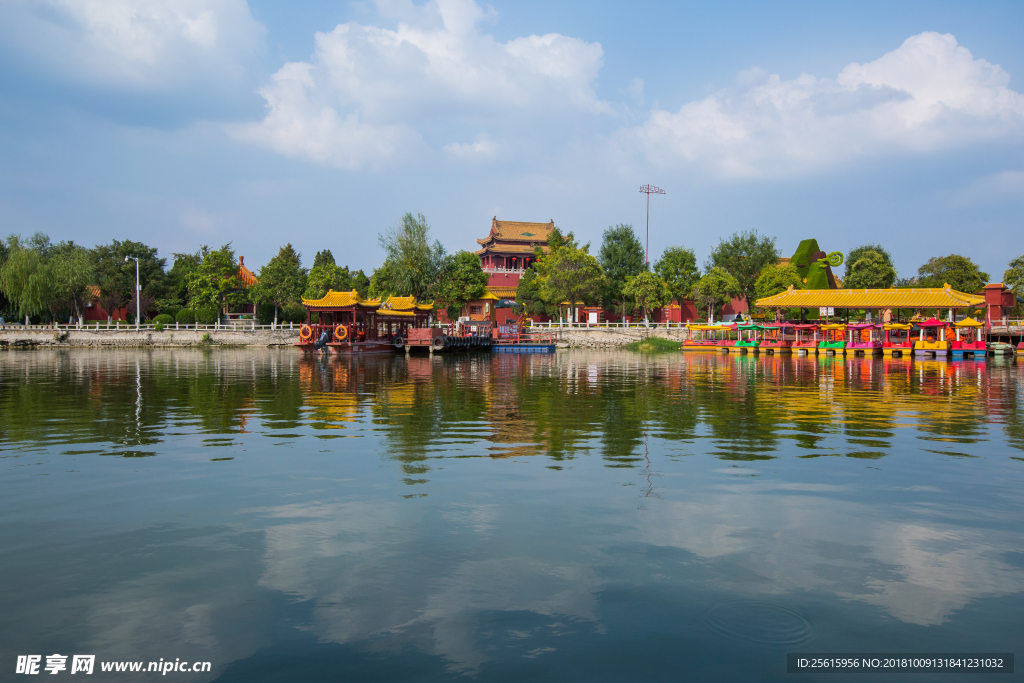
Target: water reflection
x,y
471,515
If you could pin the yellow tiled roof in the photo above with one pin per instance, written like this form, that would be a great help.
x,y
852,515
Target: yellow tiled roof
x,y
385,311
519,231
508,248
341,300
969,322
405,303
945,297
244,274
503,292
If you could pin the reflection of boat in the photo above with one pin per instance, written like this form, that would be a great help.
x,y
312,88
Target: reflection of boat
x,y
806,338
775,338
970,340
932,341
704,337
897,340
833,339
864,338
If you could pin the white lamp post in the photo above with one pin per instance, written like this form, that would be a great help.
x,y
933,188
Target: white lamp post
x,y
138,290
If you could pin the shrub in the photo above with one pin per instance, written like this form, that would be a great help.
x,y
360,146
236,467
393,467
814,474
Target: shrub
x,y
159,327
293,314
186,316
265,313
206,316
163,319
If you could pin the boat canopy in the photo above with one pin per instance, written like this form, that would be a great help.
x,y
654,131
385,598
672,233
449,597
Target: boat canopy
x,y
833,327
775,326
862,326
807,326
969,322
897,326
932,322
751,326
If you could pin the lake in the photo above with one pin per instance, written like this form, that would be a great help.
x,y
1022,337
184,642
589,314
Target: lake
x,y
594,516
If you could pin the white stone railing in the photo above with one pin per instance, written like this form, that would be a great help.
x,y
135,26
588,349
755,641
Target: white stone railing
x,y
510,271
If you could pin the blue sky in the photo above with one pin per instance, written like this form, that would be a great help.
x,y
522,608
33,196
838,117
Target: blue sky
x,y
208,121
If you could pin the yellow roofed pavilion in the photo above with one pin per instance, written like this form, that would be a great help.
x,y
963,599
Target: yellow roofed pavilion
x,y
945,297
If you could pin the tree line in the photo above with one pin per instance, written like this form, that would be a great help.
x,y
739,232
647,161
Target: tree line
x,y
41,279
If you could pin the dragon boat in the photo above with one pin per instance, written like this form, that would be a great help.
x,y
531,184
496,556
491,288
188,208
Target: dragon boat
x,y
346,323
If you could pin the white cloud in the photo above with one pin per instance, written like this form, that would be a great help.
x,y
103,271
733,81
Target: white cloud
x,y
929,94
144,44
483,147
368,91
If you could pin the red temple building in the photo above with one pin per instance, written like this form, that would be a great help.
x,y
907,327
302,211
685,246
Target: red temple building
x,y
507,251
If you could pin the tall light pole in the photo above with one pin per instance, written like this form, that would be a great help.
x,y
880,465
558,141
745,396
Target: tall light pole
x,y
649,190
138,290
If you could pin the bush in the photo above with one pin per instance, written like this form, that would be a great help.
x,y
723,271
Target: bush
x,y
186,316
163,319
206,316
159,327
265,313
292,314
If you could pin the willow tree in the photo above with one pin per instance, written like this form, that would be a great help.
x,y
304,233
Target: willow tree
x,y
23,277
412,263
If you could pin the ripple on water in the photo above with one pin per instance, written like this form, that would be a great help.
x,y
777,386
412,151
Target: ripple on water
x,y
759,622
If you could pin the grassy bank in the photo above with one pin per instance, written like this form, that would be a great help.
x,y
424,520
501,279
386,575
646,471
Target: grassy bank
x,y
654,344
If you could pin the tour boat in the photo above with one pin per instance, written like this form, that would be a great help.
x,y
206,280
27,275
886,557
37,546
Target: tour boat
x,y
806,338
932,340
864,338
775,337
704,337
346,323
970,340
897,340
749,336
833,339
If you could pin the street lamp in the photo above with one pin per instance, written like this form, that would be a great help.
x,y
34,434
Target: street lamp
x,y
138,290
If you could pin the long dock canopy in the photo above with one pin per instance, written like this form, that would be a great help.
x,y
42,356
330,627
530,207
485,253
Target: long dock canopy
x,y
893,298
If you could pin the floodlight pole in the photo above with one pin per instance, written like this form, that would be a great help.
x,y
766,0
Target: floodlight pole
x,y
649,190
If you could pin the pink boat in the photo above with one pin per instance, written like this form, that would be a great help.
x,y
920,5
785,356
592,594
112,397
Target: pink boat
x,y
778,336
866,337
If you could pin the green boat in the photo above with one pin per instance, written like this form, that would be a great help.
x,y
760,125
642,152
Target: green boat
x,y
835,337
752,338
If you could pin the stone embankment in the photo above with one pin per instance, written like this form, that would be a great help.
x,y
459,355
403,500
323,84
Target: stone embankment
x,y
603,338
12,337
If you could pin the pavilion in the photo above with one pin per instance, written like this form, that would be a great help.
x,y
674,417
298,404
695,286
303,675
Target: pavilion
x,y
893,299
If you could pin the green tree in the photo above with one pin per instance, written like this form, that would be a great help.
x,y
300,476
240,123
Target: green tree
x,y
281,281
70,272
678,268
776,279
872,270
176,294
24,278
529,298
717,288
412,264
214,283
570,273
116,276
648,291
1014,276
361,283
324,257
744,255
960,272
621,257
462,279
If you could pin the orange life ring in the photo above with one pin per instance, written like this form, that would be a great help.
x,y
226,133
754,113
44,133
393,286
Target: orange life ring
x,y
341,333
305,332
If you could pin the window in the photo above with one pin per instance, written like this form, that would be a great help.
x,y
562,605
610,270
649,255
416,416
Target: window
x,y
474,310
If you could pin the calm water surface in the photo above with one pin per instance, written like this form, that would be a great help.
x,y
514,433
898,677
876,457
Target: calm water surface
x,y
602,516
